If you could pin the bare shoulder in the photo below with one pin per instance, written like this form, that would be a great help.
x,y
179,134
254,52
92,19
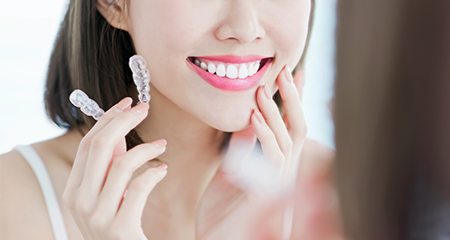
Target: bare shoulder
x,y
23,211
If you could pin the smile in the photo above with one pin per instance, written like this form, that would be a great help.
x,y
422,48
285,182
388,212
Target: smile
x,y
230,73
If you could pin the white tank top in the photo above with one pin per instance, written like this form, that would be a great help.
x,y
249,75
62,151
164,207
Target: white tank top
x,y
54,211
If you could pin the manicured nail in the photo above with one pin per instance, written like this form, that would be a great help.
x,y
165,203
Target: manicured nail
x,y
163,166
141,108
161,171
288,74
123,104
160,142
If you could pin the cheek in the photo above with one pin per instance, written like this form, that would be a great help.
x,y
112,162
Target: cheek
x,y
165,25
289,29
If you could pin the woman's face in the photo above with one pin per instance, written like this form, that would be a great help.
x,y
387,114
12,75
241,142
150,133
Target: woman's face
x,y
168,33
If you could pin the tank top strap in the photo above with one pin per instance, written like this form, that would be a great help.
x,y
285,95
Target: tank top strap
x,y
40,171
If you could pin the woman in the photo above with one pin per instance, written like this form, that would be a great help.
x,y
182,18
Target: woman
x,y
201,120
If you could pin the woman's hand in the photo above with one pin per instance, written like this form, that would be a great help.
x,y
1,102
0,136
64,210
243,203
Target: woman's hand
x,y
104,198
281,136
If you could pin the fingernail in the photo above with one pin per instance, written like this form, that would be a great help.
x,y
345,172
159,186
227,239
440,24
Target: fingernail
x,y
288,74
160,142
161,172
163,166
141,108
123,104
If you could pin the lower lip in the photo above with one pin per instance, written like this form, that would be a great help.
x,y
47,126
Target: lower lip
x,y
228,84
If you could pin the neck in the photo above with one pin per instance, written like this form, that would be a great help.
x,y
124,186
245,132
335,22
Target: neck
x,y
188,138
192,154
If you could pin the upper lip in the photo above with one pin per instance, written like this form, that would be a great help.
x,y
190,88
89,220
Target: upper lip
x,y
233,58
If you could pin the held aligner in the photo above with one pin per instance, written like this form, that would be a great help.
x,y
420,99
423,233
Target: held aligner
x,y
141,77
88,106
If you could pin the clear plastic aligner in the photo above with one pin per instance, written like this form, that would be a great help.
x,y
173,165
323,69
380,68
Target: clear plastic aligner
x,y
141,77
88,106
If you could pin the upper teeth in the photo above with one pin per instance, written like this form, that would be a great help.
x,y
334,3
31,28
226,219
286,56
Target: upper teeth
x,y
233,71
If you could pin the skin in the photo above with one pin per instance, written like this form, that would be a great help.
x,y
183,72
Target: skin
x,y
103,169
248,27
98,206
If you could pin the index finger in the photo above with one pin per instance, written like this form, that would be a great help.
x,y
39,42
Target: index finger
x,y
79,163
102,146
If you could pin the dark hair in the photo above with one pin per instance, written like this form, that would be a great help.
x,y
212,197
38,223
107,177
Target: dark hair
x,y
91,55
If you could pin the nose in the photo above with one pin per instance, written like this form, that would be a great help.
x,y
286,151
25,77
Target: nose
x,y
241,22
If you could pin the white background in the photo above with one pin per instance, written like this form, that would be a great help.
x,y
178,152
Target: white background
x,y
27,32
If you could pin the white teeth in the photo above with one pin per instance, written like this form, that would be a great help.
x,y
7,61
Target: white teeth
x,y
211,68
231,71
221,71
203,66
243,71
253,68
257,66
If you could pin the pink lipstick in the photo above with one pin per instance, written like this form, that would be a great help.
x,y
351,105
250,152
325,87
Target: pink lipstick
x,y
221,80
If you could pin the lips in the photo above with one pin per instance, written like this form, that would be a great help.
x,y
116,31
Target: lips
x,y
230,73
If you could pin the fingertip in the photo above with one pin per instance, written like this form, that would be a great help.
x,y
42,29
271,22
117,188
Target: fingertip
x,y
163,167
124,104
141,107
161,142
162,171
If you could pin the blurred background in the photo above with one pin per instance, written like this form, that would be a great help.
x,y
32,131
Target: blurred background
x,y
28,29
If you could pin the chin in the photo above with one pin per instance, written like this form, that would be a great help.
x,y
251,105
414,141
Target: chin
x,y
229,122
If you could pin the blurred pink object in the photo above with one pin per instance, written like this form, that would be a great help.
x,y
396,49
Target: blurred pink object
x,y
316,210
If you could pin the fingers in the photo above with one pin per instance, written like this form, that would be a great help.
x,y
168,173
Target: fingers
x,y
267,138
274,120
138,191
101,151
120,174
292,105
123,105
74,180
291,91
285,133
111,221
